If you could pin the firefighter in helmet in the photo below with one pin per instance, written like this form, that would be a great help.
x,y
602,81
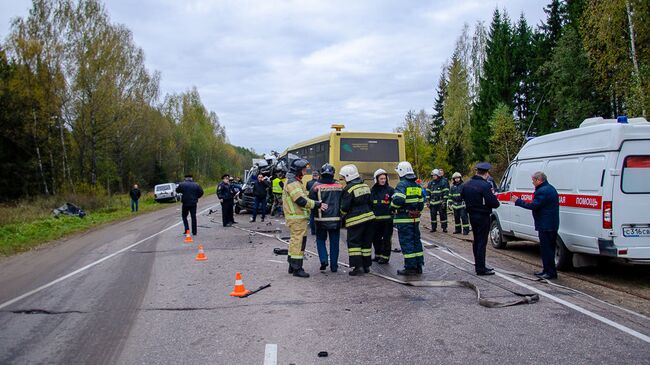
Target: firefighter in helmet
x,y
356,203
458,205
297,207
408,204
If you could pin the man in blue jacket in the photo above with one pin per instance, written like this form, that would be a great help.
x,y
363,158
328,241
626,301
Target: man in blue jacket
x,y
546,213
192,192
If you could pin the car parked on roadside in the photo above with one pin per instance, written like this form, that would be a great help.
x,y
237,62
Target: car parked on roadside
x,y
166,192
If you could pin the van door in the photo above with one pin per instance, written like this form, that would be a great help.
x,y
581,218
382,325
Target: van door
x,y
504,211
631,200
522,218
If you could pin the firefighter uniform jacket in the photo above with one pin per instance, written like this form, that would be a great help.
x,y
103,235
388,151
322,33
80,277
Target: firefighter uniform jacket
x,y
381,198
407,201
328,191
295,203
437,190
356,203
455,200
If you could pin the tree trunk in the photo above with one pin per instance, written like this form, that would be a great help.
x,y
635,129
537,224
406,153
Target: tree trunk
x,y
38,155
635,62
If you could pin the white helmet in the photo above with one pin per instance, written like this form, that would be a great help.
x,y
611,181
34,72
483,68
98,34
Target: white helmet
x,y
456,174
404,168
435,172
380,172
349,172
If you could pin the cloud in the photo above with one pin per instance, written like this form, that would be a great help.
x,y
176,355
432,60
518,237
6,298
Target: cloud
x,y
277,72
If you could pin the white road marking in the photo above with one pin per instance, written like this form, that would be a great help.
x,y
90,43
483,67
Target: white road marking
x,y
565,303
271,354
67,276
278,261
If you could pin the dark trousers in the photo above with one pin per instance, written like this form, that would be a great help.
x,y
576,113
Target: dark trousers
x,y
481,227
460,215
226,211
547,242
409,241
191,210
438,209
260,203
312,224
360,244
321,240
382,236
134,205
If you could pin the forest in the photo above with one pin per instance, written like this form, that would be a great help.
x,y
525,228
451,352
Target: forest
x,y
511,81
80,112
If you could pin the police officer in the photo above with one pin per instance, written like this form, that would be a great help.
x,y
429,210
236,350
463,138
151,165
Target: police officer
x,y
297,207
356,206
192,192
382,194
479,199
226,193
458,205
328,222
408,203
437,191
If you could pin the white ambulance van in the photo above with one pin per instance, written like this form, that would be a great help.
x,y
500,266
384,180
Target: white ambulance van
x,y
601,171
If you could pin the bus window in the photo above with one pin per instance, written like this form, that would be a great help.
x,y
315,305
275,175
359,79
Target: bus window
x,y
369,150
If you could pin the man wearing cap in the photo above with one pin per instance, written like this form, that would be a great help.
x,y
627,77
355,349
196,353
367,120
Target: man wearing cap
x,y
479,199
226,193
192,192
437,191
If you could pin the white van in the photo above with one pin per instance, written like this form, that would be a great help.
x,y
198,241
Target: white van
x,y
601,171
166,192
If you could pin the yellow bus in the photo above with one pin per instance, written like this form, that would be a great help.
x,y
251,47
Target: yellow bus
x,y
369,151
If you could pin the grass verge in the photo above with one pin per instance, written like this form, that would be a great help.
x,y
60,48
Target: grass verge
x,y
29,224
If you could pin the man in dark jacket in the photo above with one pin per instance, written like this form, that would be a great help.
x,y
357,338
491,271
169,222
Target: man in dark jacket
x,y
226,193
479,200
382,194
356,204
192,192
328,221
546,213
135,196
260,192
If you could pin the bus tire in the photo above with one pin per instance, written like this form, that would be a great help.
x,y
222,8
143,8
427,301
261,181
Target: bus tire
x,y
496,235
563,257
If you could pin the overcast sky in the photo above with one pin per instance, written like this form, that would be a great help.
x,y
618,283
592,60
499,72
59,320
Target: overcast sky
x,y
278,72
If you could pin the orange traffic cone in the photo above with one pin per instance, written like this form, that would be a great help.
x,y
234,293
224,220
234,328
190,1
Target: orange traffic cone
x,y
239,290
201,255
188,237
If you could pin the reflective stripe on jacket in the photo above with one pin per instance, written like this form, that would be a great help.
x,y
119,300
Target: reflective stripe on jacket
x,y
407,198
295,203
356,203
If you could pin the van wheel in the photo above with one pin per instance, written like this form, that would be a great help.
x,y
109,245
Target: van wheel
x,y
496,235
563,257
237,209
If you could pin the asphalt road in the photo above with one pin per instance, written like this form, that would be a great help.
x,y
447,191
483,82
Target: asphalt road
x,y
154,304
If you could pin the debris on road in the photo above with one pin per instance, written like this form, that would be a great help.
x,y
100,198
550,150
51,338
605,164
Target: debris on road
x,y
68,209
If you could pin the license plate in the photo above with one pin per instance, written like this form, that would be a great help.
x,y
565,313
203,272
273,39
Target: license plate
x,y
636,231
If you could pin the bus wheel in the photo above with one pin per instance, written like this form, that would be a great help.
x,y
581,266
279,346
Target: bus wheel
x,y
563,257
496,235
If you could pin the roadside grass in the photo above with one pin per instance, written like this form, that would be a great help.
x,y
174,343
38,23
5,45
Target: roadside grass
x,y
29,223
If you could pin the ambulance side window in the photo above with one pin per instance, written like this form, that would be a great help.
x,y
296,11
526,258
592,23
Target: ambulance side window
x,y
507,178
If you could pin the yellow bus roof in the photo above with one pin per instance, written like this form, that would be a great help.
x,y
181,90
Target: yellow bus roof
x,y
342,134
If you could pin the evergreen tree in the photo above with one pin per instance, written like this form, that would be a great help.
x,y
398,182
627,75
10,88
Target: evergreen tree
x,y
496,85
505,141
438,119
522,68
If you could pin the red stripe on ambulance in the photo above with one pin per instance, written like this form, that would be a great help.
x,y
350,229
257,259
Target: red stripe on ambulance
x,y
566,200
